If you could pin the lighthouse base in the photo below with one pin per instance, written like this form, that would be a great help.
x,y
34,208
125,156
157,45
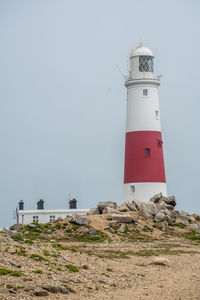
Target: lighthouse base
x,y
143,191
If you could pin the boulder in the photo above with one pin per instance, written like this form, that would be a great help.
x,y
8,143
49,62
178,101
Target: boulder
x,y
163,261
156,198
137,203
16,226
195,227
122,228
169,207
170,200
41,293
110,210
122,218
122,208
55,289
159,217
148,210
80,220
102,205
130,206
93,211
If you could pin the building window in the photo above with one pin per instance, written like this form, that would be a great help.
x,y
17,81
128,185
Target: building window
x,y
132,189
159,143
147,151
35,219
157,114
145,92
146,63
52,218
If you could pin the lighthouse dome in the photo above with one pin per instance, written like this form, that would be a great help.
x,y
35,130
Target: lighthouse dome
x,y
140,51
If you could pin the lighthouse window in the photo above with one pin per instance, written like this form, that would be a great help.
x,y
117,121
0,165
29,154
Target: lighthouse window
x,y
132,189
145,92
146,63
157,114
147,151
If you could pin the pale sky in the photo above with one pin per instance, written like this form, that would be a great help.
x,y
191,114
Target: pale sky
x,y
63,100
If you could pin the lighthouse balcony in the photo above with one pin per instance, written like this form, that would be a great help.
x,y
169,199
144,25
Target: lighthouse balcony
x,y
141,81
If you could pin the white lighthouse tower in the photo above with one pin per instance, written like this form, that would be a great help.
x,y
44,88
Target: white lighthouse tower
x,y
144,172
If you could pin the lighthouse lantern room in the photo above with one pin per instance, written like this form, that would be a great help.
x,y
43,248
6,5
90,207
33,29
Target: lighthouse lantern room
x,y
144,173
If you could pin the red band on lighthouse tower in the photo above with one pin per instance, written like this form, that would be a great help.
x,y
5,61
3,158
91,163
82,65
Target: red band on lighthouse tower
x,y
144,157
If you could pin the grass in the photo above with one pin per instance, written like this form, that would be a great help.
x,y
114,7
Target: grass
x,y
17,287
87,238
18,238
192,236
38,271
30,242
4,271
180,224
117,254
38,257
72,268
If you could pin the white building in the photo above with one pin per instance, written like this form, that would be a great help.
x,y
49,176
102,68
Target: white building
x,y
42,215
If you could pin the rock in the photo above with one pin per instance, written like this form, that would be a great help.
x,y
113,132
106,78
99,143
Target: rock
x,y
130,206
161,205
170,200
55,289
92,231
122,208
161,261
159,217
192,219
80,220
148,210
156,198
102,205
93,211
32,225
169,219
137,204
109,210
122,218
113,223
16,226
110,230
122,228
169,207
195,227
14,233
41,293
148,228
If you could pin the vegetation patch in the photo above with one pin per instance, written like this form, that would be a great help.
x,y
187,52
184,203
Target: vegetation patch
x,y
38,271
192,236
38,257
4,271
72,268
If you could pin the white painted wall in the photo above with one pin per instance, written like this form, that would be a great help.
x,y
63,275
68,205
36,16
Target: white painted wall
x,y
144,190
141,110
26,216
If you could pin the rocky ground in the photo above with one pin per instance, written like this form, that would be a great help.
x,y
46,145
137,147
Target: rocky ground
x,y
132,251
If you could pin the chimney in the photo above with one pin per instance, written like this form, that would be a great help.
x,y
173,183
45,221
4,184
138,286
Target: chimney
x,y
72,204
21,205
40,204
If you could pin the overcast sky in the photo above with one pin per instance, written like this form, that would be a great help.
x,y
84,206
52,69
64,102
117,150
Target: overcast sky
x,y
63,100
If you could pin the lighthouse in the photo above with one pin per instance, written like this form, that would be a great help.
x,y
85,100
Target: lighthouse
x,y
144,172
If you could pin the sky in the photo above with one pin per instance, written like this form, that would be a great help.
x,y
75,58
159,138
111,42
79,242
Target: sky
x,y
63,100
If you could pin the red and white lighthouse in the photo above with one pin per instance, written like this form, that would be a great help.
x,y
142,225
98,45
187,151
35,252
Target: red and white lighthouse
x,y
144,172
